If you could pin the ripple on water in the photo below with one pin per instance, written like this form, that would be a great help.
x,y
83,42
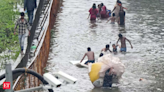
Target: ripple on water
x,y
73,33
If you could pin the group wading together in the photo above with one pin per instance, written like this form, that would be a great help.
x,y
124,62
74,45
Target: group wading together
x,y
122,39
116,15
111,68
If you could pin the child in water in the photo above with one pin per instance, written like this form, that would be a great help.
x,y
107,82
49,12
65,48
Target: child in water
x,y
114,47
112,19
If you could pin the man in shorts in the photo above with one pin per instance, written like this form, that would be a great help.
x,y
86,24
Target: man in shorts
x,y
90,55
123,42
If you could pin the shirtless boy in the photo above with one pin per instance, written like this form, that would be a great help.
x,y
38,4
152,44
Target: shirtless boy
x,y
90,55
123,42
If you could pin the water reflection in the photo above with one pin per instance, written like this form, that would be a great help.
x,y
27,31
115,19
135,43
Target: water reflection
x,y
93,24
113,89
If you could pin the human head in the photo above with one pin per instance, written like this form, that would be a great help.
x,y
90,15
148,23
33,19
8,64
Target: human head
x,y
94,6
89,49
22,15
102,4
101,54
120,35
99,6
113,14
113,45
107,46
120,4
118,1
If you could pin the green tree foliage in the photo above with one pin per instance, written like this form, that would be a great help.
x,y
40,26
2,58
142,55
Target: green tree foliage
x,y
8,16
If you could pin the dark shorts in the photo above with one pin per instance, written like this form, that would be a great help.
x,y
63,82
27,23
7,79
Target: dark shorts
x,y
123,49
90,61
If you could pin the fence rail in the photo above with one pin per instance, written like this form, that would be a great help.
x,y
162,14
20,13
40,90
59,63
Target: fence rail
x,y
40,58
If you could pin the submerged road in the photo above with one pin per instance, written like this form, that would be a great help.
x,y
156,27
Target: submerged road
x,y
73,33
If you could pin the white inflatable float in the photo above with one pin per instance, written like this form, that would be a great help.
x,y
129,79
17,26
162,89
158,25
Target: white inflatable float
x,y
106,71
77,63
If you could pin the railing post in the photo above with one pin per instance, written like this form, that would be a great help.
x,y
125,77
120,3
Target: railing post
x,y
9,77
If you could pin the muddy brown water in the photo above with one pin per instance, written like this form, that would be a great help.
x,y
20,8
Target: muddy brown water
x,y
73,33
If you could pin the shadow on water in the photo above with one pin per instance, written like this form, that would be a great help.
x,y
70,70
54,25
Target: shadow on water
x,y
113,89
93,24
122,28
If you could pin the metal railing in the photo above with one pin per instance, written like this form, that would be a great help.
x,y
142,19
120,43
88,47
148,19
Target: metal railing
x,y
39,60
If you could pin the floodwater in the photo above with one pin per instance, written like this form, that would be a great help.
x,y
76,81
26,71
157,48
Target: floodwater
x,y
73,33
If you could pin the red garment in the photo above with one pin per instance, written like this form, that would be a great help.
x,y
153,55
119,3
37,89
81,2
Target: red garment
x,y
103,12
93,13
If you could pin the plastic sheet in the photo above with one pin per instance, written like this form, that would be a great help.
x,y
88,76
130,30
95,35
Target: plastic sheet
x,y
107,63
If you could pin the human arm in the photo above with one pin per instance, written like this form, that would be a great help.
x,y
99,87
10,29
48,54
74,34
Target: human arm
x,y
111,71
28,27
89,15
114,8
129,42
15,27
25,4
83,57
110,51
124,8
117,40
102,50
118,45
108,20
35,3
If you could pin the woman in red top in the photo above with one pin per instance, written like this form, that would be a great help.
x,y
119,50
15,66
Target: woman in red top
x,y
103,11
93,12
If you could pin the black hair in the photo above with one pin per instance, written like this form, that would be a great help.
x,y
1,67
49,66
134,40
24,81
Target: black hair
x,y
113,44
101,54
113,14
100,7
107,46
22,13
102,4
94,6
120,35
118,1
89,49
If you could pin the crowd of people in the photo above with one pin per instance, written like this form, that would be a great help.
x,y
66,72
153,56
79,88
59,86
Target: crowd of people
x,y
116,15
122,39
23,24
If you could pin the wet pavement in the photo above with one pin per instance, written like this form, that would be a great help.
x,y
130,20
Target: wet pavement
x,y
73,33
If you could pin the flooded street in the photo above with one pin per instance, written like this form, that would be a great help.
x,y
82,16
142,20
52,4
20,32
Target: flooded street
x,y
73,33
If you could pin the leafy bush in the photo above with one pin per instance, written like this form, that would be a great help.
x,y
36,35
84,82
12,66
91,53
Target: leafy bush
x,y
8,40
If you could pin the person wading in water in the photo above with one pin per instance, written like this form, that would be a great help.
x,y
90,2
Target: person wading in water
x,y
93,12
90,55
123,42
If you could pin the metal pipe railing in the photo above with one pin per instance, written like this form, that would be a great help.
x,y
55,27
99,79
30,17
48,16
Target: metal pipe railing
x,y
22,70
